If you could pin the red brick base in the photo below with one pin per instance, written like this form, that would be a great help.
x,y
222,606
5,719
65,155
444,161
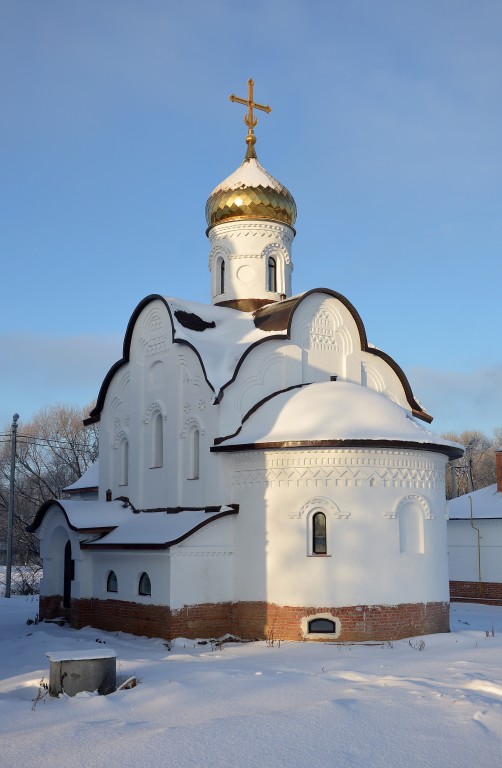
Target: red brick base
x,y
489,592
251,620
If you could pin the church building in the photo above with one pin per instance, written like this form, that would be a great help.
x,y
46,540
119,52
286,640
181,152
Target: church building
x,y
264,470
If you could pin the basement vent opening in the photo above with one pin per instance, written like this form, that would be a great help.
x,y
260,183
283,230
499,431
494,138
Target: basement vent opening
x,y
321,626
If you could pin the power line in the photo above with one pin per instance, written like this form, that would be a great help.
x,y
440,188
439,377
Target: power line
x,y
42,442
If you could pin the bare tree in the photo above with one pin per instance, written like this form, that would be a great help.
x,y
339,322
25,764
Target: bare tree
x,y
476,469
53,450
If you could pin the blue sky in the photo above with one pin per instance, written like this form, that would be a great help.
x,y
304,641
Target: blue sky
x,y
386,127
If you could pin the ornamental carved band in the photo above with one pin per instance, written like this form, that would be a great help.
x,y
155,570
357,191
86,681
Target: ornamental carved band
x,y
324,469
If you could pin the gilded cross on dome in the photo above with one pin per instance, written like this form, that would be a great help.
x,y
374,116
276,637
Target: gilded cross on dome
x,y
250,120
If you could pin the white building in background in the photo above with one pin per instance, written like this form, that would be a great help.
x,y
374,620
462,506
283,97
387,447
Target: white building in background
x,y
475,543
263,469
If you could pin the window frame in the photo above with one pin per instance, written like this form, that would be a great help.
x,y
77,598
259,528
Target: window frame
x,y
157,438
124,462
317,516
194,454
332,631
141,588
272,274
112,575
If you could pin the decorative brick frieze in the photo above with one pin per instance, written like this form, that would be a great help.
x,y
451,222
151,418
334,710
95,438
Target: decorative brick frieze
x,y
252,619
489,592
243,228
336,468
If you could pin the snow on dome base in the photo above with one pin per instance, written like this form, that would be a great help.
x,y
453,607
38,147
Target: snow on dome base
x,y
334,411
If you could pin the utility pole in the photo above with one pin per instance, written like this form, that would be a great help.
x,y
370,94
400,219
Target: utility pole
x,y
10,517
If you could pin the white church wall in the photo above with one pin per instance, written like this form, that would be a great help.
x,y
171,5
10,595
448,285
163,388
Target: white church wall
x,y
114,433
54,534
361,493
197,475
202,566
161,384
268,368
155,408
375,373
327,333
128,568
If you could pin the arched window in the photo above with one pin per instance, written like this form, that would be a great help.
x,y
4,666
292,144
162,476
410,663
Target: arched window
x,y
222,276
158,440
319,546
111,582
145,587
321,626
194,455
411,529
124,462
271,274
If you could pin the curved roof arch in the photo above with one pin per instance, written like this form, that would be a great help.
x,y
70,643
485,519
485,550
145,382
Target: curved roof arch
x,y
279,317
271,322
95,414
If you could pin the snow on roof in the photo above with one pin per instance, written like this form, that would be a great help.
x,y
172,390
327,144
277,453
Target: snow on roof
x,y
336,410
122,525
221,346
159,528
250,173
486,504
90,479
83,515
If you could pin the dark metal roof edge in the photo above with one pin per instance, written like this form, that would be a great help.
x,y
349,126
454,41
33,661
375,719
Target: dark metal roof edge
x,y
42,511
450,451
165,545
95,414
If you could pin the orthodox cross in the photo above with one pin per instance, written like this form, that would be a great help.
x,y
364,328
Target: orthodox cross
x,y
250,120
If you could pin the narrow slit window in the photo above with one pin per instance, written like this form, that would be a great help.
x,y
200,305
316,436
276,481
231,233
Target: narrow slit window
x,y
124,462
195,455
222,277
272,274
319,534
158,441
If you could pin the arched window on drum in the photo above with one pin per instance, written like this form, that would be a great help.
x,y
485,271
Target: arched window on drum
x,y
319,539
271,274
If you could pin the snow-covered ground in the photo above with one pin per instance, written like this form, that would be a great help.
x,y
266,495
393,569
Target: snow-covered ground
x,y
250,705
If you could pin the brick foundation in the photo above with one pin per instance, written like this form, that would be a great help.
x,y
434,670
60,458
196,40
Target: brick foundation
x,y
51,607
251,620
357,623
489,592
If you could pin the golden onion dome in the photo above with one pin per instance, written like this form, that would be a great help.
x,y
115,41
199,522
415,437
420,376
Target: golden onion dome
x,y
250,193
